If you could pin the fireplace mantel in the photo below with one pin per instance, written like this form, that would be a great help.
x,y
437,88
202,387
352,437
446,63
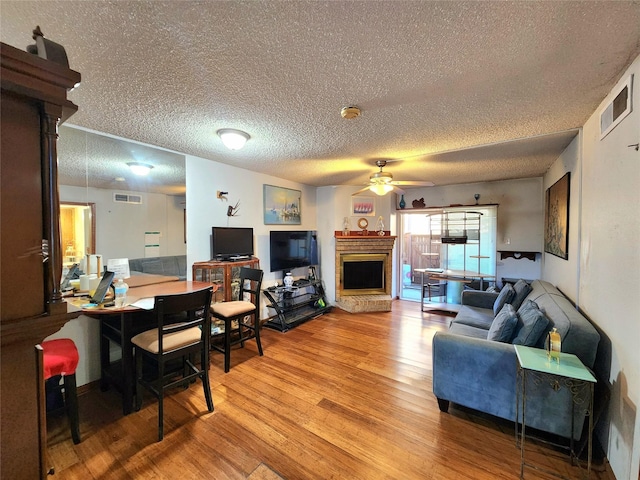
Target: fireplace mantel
x,y
373,243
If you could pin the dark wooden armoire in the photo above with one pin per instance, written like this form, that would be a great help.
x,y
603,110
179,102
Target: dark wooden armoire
x,y
34,102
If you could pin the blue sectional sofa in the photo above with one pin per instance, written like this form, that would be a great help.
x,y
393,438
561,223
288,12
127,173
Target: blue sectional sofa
x,y
470,370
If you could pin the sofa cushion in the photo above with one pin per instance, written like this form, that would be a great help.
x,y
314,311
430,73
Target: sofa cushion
x,y
522,289
468,331
531,324
474,317
505,296
503,325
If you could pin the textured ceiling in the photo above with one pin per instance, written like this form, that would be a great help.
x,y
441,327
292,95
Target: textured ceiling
x,y
458,91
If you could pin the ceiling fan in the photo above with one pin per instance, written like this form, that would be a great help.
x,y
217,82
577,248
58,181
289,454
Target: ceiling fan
x,y
382,183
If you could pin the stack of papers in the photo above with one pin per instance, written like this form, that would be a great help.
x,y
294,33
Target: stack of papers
x,y
144,303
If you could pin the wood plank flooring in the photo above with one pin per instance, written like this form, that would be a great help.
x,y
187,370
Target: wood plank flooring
x,y
343,396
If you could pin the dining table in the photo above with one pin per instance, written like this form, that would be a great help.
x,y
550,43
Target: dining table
x,y
118,325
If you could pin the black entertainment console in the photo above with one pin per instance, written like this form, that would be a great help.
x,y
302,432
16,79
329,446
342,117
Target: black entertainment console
x,y
296,304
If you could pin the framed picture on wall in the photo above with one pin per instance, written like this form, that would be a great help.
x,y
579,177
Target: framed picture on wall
x,y
362,205
282,206
556,218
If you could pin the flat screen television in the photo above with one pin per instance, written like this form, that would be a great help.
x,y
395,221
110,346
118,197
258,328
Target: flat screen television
x,y
292,249
229,243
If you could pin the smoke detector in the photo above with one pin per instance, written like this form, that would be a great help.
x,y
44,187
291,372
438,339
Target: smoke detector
x,y
350,112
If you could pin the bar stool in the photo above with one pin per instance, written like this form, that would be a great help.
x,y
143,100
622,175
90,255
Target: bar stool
x,y
60,357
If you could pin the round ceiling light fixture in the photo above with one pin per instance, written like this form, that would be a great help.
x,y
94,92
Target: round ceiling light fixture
x,y
233,139
350,112
141,169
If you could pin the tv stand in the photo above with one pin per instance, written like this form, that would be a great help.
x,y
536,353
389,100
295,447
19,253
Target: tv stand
x,y
297,304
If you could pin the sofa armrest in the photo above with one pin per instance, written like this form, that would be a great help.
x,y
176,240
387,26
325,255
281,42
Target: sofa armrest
x,y
477,373
477,298
481,374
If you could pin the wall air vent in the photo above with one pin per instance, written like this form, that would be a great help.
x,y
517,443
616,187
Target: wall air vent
x,y
125,198
617,109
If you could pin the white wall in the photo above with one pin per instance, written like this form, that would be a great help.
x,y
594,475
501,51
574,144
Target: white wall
x,y
603,272
520,217
120,227
204,210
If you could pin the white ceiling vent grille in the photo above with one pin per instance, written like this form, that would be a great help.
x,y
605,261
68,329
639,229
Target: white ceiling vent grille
x,y
124,198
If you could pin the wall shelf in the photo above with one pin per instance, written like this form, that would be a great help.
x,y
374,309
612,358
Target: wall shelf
x,y
517,255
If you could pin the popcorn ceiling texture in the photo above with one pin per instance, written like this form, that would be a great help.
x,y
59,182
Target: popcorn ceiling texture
x,y
434,80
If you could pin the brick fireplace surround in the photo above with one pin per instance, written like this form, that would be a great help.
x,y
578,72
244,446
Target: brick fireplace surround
x,y
358,243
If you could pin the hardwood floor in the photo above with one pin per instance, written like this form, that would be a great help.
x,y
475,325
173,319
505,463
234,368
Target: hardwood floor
x,y
343,396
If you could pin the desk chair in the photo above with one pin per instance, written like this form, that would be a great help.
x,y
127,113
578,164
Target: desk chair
x,y
237,311
60,359
171,340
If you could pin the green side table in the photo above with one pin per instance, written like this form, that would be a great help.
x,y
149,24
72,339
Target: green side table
x,y
566,372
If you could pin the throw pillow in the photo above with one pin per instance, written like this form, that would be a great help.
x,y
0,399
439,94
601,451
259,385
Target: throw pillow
x,y
493,289
505,296
522,289
527,305
503,325
531,324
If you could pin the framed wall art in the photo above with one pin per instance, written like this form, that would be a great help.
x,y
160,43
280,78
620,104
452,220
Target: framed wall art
x,y
556,218
362,205
282,206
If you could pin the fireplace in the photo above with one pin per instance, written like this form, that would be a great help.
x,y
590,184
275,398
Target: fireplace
x,y
363,272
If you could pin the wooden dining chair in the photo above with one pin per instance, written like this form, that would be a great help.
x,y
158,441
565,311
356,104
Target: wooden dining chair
x,y
183,329
245,312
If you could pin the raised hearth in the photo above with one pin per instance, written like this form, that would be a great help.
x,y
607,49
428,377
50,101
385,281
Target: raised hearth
x,y
371,294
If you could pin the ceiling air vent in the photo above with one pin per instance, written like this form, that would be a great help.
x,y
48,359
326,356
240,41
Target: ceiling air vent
x,y
124,198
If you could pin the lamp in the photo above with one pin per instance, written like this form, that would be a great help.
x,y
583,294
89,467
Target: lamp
x,y
233,139
381,188
141,169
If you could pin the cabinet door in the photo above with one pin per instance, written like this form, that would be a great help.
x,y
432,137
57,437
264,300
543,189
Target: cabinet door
x,y
22,288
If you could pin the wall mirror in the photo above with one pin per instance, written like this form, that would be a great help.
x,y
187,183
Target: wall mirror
x,y
108,210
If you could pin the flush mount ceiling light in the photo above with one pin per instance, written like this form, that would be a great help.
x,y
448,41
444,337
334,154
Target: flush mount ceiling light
x,y
141,169
233,139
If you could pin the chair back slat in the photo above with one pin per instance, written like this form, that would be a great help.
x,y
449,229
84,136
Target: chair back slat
x,y
175,313
250,282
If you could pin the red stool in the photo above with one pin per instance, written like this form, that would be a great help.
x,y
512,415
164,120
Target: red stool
x,y
60,357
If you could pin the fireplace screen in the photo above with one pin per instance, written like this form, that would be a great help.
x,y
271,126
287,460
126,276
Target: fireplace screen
x,y
362,274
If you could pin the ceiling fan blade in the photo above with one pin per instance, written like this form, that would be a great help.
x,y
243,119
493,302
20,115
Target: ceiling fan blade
x,y
360,191
414,183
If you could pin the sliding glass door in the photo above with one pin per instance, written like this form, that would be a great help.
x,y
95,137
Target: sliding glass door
x,y
462,239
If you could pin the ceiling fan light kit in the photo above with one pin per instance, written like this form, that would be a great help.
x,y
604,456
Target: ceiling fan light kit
x,y
233,139
381,188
